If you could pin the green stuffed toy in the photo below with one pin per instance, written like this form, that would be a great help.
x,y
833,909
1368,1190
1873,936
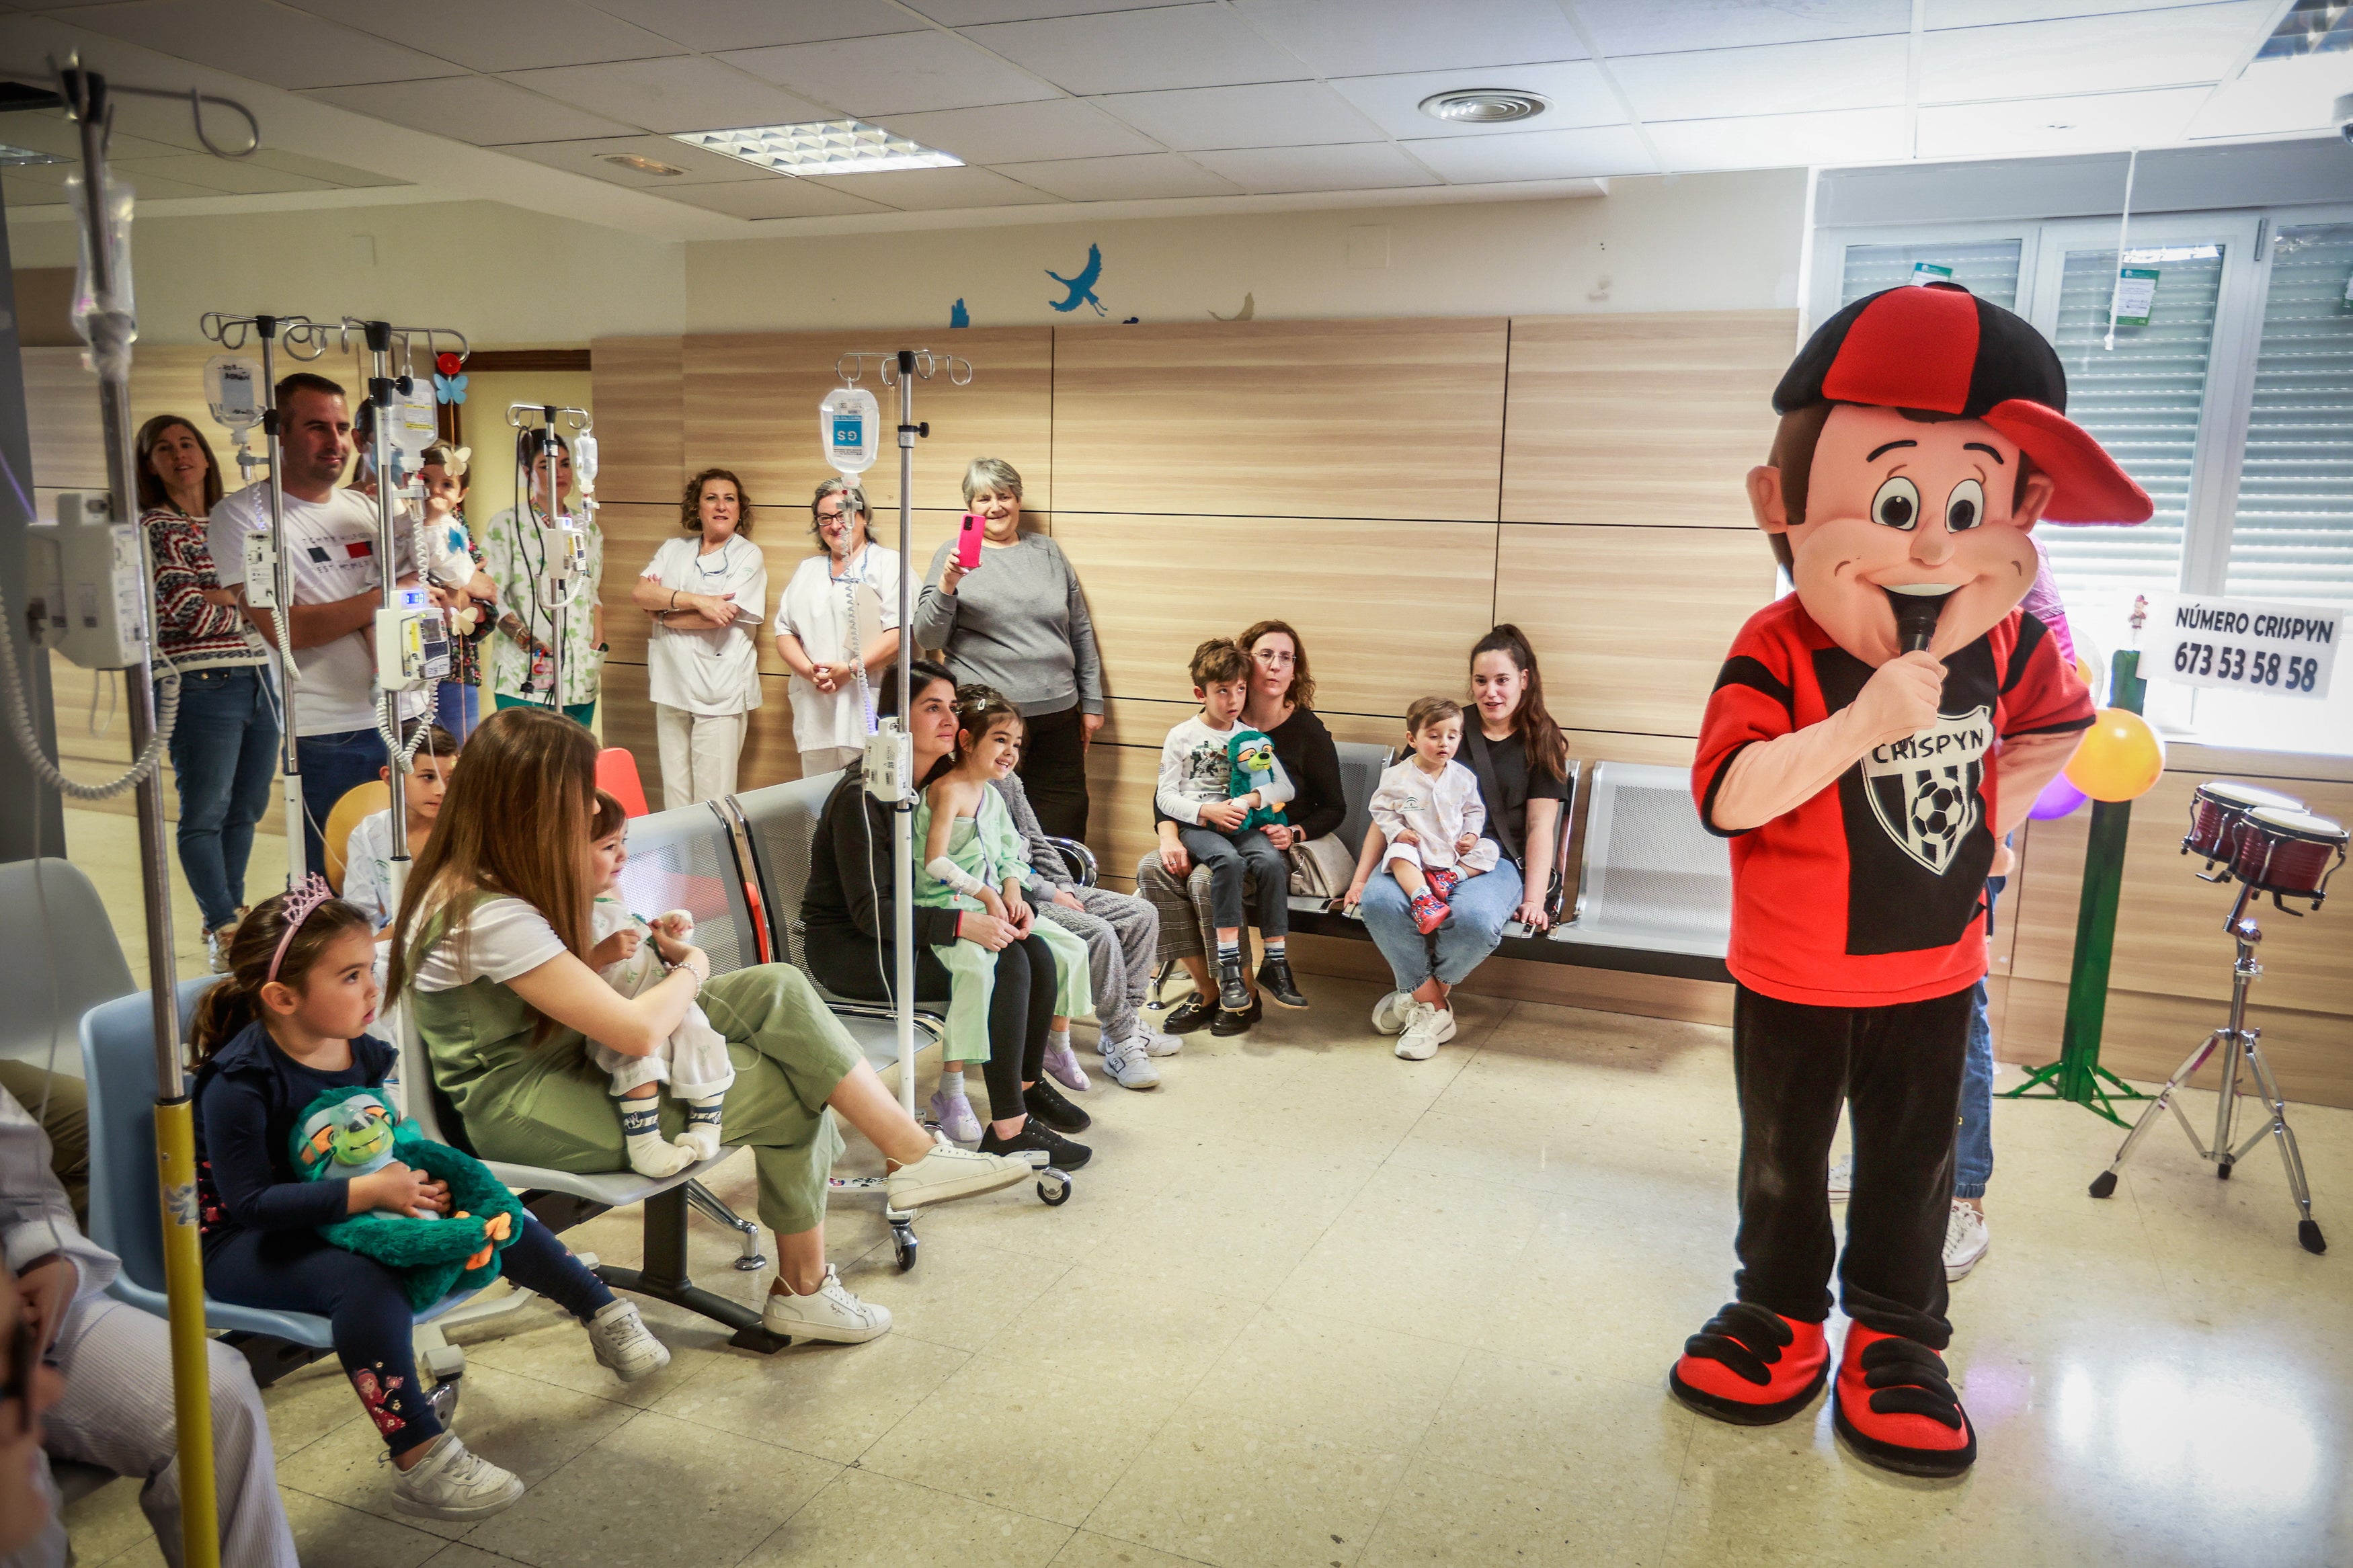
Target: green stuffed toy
x,y
354,1131
1251,757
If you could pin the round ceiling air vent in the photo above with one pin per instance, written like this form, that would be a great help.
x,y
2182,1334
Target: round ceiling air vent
x,y
1484,106
630,161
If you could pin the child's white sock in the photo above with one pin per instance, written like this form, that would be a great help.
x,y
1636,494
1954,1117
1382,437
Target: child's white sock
x,y
701,1134
952,1083
651,1154
1271,946
1059,1039
1227,950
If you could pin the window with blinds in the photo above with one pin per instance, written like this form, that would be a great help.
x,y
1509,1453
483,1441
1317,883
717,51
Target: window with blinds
x,y
2142,399
2292,535
1987,268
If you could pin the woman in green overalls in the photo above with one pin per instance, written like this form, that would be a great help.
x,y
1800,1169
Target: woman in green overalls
x,y
490,953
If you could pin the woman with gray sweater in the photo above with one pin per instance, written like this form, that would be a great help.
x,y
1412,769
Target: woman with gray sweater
x,y
1018,622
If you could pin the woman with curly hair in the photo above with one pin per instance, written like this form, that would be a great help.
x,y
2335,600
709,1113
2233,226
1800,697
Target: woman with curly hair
x,y
708,595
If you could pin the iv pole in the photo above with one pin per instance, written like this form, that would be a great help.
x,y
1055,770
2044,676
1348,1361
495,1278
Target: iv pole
x,y
111,326
298,333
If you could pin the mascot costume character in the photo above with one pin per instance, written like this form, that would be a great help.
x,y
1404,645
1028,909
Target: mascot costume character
x,y
1871,742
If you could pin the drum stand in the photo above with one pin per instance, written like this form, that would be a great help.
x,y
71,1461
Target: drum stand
x,y
2238,1044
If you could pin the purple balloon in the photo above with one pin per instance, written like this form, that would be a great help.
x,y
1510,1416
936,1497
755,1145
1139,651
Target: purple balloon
x,y
2058,799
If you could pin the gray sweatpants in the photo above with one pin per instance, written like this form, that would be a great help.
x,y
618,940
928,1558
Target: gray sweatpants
x,y
1121,931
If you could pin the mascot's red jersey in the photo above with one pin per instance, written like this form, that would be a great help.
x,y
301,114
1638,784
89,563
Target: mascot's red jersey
x,y
1874,892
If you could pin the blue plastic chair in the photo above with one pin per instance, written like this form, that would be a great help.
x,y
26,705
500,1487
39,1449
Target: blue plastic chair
x,y
118,1054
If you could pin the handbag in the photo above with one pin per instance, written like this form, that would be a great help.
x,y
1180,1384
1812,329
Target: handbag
x,y
1322,868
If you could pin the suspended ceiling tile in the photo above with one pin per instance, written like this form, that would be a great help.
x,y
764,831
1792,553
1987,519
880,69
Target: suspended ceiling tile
x,y
755,24
496,37
1022,133
1781,141
973,13
2277,98
1264,114
1139,52
1660,26
1537,156
939,190
779,196
47,130
253,38
1580,98
2092,54
1992,13
151,188
2099,122
1771,79
482,110
587,157
344,174
224,176
1276,170
685,94
1369,37
903,73
1138,176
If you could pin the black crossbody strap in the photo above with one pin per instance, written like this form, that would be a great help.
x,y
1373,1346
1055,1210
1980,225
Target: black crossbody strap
x,y
1482,765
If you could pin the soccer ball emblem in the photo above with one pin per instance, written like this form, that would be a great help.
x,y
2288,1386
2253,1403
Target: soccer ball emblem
x,y
1941,809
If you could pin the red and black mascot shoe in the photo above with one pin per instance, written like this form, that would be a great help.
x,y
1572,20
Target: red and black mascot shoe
x,y
1896,1406
1751,1366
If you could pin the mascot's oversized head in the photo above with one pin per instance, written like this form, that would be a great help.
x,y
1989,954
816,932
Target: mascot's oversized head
x,y
1923,434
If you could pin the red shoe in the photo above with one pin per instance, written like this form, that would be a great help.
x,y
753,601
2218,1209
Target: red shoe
x,y
1442,882
1896,1408
1751,1366
1429,911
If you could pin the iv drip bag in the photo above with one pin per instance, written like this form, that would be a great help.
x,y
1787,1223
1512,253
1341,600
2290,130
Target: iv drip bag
x,y
233,392
414,422
849,429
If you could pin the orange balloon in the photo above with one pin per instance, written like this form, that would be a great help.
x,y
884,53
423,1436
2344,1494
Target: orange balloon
x,y
2120,759
2084,672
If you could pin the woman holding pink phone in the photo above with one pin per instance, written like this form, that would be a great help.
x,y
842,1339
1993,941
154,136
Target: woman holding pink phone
x,y
1008,613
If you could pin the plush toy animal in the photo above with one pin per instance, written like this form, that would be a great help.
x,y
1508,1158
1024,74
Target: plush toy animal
x,y
1252,757
354,1131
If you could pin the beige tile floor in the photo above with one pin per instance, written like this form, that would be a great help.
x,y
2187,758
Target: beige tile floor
x,y
1315,1306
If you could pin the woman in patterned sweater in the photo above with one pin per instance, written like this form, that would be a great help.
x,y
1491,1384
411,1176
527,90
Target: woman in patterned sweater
x,y
225,743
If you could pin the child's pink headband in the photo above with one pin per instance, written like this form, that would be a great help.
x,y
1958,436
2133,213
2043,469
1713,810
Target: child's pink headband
x,y
301,903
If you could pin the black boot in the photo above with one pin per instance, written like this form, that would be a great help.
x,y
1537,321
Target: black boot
x,y
1037,1138
1227,1024
1274,982
1045,1103
1234,996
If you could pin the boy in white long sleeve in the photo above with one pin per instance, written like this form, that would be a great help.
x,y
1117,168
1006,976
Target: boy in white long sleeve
x,y
1197,779
1431,815
116,1411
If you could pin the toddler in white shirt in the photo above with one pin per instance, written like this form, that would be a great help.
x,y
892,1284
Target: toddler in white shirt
x,y
630,955
1430,815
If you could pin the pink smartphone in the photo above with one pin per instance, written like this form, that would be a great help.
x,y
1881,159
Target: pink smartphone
x,y
968,542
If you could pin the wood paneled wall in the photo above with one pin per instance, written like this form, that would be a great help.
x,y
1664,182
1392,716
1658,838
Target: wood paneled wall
x,y
1393,488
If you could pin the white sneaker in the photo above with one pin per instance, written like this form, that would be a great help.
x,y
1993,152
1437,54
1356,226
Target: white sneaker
x,y
829,1313
1158,1043
1965,1240
1390,1013
451,1483
1427,1027
623,1342
1842,1179
953,1112
1128,1063
948,1172
217,945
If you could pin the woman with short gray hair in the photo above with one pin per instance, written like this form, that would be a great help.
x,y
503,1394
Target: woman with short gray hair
x,y
1018,622
838,629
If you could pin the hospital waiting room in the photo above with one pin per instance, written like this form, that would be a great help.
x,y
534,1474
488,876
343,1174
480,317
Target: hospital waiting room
x,y
1133,784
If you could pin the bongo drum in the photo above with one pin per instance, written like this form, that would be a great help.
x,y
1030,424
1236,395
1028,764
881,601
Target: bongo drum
x,y
2216,812
2290,853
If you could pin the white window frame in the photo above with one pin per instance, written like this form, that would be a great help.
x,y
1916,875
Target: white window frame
x,y
1830,267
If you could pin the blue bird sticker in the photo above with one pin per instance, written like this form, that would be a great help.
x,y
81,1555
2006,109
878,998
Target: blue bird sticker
x,y
1082,287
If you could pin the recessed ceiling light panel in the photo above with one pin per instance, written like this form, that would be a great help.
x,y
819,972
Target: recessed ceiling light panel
x,y
25,157
821,147
631,161
1484,106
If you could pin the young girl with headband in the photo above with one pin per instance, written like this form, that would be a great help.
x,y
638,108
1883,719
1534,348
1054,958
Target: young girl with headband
x,y
286,1024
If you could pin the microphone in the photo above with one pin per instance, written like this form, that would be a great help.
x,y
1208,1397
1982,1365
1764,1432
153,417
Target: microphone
x,y
1915,618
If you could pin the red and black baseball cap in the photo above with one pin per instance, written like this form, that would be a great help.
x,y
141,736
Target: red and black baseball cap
x,y
1940,349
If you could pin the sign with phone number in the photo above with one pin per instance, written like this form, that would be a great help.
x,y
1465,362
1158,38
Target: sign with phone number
x,y
2245,645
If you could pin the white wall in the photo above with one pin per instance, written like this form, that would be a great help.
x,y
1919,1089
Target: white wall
x,y
502,276
1701,242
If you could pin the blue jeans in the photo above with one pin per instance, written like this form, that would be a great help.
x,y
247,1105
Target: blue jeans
x,y
224,754
1973,1154
333,766
455,706
1481,906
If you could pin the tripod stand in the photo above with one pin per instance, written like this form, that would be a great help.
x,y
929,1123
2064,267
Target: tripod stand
x,y
2238,1046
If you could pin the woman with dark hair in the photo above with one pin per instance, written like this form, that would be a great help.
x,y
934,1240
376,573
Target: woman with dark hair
x,y
1521,761
225,743
847,909
523,668
708,597
838,629
1280,706
491,953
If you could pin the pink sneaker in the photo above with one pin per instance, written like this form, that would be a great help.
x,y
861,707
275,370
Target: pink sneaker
x,y
1429,911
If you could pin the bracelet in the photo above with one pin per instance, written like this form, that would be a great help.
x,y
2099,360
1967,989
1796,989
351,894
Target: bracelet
x,y
673,600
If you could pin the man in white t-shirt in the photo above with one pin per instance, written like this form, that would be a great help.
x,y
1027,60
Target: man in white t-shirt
x,y
331,557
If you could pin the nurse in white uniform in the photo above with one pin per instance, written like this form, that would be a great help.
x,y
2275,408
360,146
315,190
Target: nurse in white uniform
x,y
708,595
838,619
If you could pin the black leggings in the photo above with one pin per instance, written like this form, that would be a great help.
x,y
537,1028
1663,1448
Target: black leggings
x,y
1020,1004
1053,771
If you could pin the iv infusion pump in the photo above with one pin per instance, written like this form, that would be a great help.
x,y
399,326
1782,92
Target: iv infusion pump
x,y
92,577
412,642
